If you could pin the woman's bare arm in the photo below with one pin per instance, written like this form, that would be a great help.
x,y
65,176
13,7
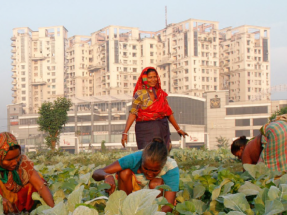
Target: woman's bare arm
x,y
170,197
176,126
42,189
129,123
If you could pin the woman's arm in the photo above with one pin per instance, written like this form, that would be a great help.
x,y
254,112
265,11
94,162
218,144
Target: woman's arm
x,y
42,189
106,174
129,123
176,126
170,197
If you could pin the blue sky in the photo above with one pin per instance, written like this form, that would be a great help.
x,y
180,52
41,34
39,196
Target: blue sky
x,y
86,16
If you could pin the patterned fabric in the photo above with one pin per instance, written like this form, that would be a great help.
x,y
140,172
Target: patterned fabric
x,y
25,171
6,140
141,100
274,143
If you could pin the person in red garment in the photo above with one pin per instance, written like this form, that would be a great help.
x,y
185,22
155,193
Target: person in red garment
x,y
18,178
151,111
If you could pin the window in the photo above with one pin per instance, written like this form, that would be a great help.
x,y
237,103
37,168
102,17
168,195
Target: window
x,y
134,54
186,71
248,50
22,66
23,98
134,47
151,60
22,79
134,69
151,53
23,92
151,46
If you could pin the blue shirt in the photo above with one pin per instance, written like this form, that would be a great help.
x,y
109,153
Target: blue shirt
x,y
170,177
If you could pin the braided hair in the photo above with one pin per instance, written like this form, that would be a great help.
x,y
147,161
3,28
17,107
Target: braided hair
x,y
156,151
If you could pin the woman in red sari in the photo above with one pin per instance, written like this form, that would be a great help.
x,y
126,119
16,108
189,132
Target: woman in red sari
x,y
18,178
151,111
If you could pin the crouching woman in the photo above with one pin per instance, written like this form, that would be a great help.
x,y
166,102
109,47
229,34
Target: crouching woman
x,y
143,169
18,178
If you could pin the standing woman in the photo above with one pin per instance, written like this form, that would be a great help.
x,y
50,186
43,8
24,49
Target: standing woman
x,y
151,111
18,178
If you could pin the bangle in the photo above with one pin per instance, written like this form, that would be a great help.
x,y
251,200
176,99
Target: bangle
x,y
108,176
178,130
125,133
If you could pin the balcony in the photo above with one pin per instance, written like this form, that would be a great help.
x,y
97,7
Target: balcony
x,y
13,50
13,38
13,44
38,57
14,75
165,61
14,95
95,67
13,57
14,69
13,63
38,82
14,82
14,88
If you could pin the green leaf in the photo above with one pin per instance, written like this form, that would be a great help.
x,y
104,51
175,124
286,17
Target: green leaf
x,y
60,208
36,196
84,179
186,208
273,193
273,207
216,191
249,189
235,213
140,202
236,202
75,198
256,170
164,186
198,191
103,186
95,199
85,210
59,196
200,206
226,188
40,209
283,193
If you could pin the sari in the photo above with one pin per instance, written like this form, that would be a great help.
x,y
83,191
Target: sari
x,y
151,116
19,193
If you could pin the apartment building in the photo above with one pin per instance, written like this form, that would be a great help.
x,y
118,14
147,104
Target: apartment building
x,y
78,80
245,62
38,65
192,57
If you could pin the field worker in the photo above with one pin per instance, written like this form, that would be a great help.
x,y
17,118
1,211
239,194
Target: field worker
x,y
151,111
19,179
148,168
271,144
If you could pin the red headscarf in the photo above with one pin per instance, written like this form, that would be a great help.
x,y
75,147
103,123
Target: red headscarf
x,y
159,108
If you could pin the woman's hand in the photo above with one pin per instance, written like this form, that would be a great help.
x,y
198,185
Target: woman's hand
x,y
124,140
7,206
182,133
109,179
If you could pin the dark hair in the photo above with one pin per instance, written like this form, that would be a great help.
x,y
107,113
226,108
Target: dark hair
x,y
156,151
151,70
14,147
239,142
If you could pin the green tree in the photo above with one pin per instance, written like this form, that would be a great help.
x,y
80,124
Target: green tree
x,y
53,116
222,142
103,146
277,113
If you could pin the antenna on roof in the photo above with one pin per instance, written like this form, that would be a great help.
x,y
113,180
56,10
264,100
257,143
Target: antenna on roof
x,y
165,16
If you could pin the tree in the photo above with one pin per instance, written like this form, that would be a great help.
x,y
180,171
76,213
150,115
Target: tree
x,y
222,142
53,116
277,113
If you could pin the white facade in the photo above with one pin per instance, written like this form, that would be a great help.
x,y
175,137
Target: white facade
x,y
38,65
245,62
192,57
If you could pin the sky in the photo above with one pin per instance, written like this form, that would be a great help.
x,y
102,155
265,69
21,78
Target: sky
x,y
87,16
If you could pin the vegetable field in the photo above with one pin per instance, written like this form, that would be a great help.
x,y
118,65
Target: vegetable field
x,y
211,182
